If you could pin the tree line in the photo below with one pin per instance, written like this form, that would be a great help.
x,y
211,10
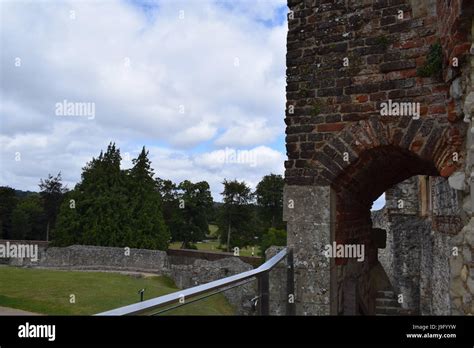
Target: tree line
x,y
30,215
111,206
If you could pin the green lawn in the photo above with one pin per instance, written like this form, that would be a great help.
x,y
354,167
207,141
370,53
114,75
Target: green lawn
x,y
213,230
48,292
214,246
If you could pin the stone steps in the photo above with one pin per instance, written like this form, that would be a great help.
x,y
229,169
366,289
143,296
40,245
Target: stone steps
x,y
387,310
386,304
385,294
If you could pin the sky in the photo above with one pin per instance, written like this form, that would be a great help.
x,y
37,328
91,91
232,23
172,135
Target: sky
x,y
200,84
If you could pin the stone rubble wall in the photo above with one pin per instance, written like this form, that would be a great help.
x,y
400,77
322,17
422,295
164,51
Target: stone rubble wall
x,y
84,257
278,283
462,243
97,258
203,271
462,271
418,250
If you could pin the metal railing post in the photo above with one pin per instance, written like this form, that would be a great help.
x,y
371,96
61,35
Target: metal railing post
x,y
290,284
263,293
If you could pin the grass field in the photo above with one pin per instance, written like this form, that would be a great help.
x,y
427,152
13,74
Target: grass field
x,y
213,230
214,246
48,292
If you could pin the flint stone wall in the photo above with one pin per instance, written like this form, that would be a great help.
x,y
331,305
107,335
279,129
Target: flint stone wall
x,y
203,271
84,257
278,285
417,256
97,258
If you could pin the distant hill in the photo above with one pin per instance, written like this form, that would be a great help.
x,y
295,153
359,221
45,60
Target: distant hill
x,y
21,194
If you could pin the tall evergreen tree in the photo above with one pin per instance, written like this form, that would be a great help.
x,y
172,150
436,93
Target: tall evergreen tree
x,y
103,206
69,225
150,229
98,211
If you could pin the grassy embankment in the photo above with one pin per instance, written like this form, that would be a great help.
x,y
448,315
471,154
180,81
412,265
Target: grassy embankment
x,y
48,292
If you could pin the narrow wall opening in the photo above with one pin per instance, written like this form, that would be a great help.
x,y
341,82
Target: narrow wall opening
x,y
361,284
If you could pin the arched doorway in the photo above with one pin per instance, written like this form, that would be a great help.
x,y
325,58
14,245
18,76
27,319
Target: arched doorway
x,y
357,281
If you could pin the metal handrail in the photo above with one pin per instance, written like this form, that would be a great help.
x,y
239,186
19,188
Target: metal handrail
x,y
176,297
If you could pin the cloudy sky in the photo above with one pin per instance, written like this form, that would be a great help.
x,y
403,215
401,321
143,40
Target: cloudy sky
x,y
196,82
200,83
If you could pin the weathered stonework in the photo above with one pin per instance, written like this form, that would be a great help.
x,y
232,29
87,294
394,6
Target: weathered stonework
x,y
462,270
98,258
333,109
279,296
202,271
344,59
416,257
308,216
462,243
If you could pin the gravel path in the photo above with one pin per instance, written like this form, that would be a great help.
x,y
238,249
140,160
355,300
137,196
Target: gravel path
x,y
13,311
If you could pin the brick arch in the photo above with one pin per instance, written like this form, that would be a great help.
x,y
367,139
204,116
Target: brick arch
x,y
328,101
425,138
375,170
381,152
379,168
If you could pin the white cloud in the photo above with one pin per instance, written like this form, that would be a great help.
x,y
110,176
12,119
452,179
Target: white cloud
x,y
248,132
195,134
214,166
257,9
213,79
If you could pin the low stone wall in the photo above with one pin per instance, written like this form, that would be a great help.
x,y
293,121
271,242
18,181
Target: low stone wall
x,y
187,256
203,271
97,258
186,274
278,283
